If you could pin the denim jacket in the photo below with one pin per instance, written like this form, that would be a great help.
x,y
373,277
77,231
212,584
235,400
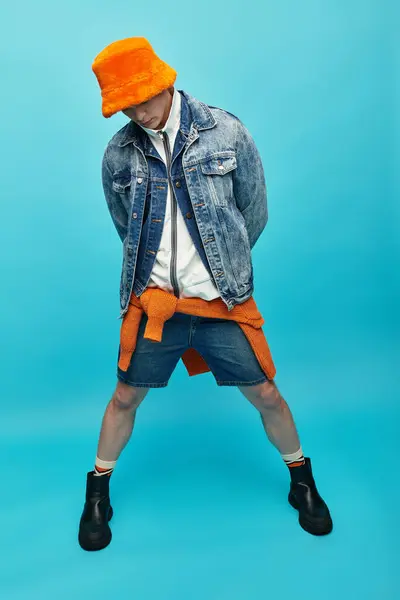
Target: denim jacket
x,y
223,174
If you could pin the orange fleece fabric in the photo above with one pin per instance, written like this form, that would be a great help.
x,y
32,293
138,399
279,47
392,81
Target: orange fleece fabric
x,y
160,305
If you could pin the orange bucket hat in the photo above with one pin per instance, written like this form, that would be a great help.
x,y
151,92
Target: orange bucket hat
x,y
129,72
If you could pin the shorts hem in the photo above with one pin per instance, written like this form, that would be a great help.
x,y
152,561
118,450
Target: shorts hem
x,y
134,384
255,382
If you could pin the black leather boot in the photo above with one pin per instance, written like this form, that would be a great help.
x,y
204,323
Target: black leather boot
x,y
314,514
94,531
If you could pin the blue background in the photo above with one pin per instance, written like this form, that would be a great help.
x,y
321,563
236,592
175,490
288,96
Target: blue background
x,y
200,496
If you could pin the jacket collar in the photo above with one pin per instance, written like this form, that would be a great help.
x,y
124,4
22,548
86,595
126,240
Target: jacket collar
x,y
194,115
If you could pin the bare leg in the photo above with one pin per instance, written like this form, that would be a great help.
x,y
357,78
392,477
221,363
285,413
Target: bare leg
x,y
275,414
118,420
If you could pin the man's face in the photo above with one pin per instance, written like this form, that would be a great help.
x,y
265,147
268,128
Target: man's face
x,y
154,113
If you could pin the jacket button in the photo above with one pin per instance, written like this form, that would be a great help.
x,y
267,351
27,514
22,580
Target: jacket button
x,y
140,180
178,184
134,215
189,215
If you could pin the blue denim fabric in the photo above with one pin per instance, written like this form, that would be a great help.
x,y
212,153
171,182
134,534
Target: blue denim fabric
x,y
219,169
221,343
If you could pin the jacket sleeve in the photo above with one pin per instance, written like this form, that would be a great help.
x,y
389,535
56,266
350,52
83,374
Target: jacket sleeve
x,y
116,208
249,184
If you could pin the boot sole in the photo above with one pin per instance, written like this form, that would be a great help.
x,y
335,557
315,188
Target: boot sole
x,y
99,544
313,527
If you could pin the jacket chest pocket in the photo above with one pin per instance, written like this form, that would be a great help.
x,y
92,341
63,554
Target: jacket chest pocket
x,y
122,185
122,181
218,171
130,188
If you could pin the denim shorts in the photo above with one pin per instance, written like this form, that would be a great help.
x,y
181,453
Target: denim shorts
x,y
221,343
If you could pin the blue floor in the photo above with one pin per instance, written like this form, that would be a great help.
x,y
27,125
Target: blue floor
x,y
200,496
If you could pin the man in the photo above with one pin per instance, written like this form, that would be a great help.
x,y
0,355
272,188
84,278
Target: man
x,y
185,188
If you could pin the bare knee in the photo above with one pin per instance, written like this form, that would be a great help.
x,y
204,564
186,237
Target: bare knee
x,y
264,396
128,397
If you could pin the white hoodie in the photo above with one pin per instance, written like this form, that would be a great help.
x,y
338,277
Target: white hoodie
x,y
193,278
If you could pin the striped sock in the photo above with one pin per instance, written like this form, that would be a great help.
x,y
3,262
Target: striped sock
x,y
294,460
104,467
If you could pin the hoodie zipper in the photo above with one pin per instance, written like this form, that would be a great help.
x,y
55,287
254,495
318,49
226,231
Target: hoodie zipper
x,y
173,277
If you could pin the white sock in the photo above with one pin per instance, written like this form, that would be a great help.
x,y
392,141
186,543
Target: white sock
x,y
296,457
104,467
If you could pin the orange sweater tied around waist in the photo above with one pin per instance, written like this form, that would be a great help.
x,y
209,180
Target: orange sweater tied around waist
x,y
160,305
